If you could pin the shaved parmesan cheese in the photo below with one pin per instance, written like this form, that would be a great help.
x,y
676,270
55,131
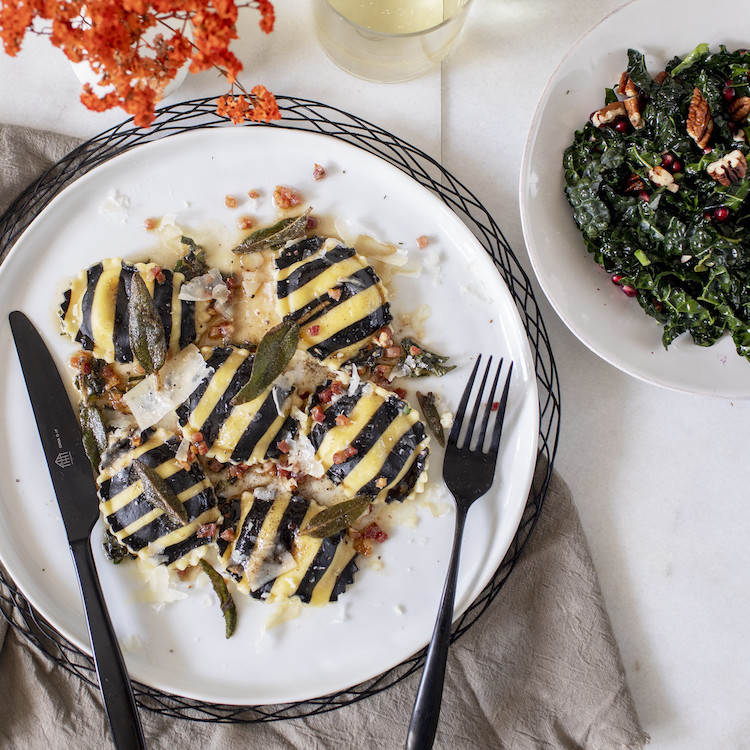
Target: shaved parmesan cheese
x,y
281,387
158,590
354,381
301,457
275,562
159,394
183,451
200,289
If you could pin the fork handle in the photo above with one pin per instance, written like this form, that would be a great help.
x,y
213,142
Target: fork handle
x,y
426,711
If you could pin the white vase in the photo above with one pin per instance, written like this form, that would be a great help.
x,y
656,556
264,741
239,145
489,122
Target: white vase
x,y
86,74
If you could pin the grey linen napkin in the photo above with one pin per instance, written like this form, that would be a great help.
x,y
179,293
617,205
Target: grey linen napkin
x,y
539,669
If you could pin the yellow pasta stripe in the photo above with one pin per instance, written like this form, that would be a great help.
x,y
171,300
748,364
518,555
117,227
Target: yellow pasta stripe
x,y
216,388
369,466
320,284
340,436
322,592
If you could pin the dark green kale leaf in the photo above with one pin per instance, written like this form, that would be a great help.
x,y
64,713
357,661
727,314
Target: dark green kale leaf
x,y
682,249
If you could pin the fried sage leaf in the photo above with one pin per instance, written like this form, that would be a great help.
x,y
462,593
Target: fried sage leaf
x,y
275,350
228,606
148,339
93,433
114,550
159,493
431,415
336,518
193,263
273,237
419,361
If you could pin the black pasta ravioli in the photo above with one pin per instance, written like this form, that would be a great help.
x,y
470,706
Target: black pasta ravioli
x,y
237,433
94,310
271,559
145,530
370,442
342,295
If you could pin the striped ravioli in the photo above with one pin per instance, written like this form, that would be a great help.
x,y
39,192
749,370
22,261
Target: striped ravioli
x,y
243,433
94,310
271,560
318,270
377,446
145,530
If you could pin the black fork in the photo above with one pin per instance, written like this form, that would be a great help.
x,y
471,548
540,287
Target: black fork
x,y
468,472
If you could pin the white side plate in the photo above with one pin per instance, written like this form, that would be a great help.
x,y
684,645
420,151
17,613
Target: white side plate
x,y
596,311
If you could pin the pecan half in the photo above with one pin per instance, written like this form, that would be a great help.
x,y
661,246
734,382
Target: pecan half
x,y
634,108
633,184
608,114
626,87
730,168
700,123
663,178
739,108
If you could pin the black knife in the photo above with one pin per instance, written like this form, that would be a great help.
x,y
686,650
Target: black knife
x,y
73,481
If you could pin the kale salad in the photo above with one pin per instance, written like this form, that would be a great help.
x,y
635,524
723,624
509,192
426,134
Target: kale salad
x,y
657,181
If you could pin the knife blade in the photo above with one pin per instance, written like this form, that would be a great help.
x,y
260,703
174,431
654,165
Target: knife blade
x,y
74,485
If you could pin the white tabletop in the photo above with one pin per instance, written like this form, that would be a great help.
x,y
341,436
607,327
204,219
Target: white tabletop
x,y
658,476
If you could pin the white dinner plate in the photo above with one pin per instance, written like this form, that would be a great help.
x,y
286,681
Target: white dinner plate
x,y
388,613
611,324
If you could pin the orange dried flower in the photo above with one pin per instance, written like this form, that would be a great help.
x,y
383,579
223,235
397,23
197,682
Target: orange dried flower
x,y
136,47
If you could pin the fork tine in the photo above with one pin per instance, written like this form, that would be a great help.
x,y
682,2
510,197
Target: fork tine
x,y
458,420
500,415
475,411
488,408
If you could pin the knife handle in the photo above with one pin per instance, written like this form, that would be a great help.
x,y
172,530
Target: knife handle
x,y
114,683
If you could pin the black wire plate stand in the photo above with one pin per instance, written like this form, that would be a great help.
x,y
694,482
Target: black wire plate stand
x,y
299,114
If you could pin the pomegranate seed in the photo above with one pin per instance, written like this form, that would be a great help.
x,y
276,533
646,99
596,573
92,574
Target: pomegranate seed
x,y
728,92
621,125
616,279
644,196
721,213
667,160
676,166
629,290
